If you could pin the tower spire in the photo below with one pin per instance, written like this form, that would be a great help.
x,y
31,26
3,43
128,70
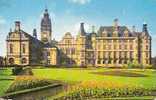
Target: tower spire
x,y
46,27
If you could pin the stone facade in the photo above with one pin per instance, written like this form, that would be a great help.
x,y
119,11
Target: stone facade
x,y
110,46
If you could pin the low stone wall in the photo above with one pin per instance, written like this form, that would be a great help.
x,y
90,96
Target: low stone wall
x,y
36,93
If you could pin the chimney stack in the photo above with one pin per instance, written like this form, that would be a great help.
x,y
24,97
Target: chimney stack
x,y
133,29
35,33
145,28
116,22
82,30
17,25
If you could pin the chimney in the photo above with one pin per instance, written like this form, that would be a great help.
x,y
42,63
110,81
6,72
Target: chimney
x,y
82,30
133,29
144,29
116,22
93,29
35,33
17,25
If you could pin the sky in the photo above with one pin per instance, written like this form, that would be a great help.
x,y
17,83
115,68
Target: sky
x,y
66,15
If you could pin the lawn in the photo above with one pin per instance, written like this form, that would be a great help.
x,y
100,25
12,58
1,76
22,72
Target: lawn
x,y
145,78
140,77
5,80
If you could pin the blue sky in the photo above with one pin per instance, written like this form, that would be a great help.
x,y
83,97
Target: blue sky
x,y
67,14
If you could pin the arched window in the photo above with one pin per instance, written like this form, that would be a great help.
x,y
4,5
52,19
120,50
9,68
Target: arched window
x,y
120,61
125,61
109,61
24,60
11,61
103,61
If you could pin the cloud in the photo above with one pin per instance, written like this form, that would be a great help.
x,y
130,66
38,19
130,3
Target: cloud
x,y
2,20
5,3
82,2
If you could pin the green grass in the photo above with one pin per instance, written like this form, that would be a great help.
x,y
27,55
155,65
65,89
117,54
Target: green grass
x,y
5,80
146,79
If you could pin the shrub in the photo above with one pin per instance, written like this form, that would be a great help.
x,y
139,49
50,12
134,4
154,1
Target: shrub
x,y
16,70
22,71
134,65
149,66
27,71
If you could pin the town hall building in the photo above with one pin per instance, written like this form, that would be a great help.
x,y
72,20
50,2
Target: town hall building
x,y
110,46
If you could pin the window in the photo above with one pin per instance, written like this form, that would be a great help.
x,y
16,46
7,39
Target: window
x,y
131,47
98,54
11,48
82,54
125,61
48,53
73,50
104,55
119,54
125,54
99,62
114,54
125,41
146,47
131,41
109,47
24,60
48,61
99,46
120,47
109,61
11,61
147,61
126,47
146,54
114,46
110,54
131,54
109,41
67,51
104,46
120,61
23,48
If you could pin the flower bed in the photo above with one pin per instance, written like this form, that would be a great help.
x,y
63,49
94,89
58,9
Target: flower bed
x,y
105,89
28,82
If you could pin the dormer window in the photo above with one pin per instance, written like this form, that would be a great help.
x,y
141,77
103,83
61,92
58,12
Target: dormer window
x,y
115,33
104,33
126,33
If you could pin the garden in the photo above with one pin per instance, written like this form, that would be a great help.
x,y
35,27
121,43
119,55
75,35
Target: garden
x,y
85,83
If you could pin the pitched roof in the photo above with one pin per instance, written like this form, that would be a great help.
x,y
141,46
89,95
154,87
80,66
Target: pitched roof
x,y
110,30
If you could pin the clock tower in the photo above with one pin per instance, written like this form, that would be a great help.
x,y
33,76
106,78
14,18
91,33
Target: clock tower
x,y
46,29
